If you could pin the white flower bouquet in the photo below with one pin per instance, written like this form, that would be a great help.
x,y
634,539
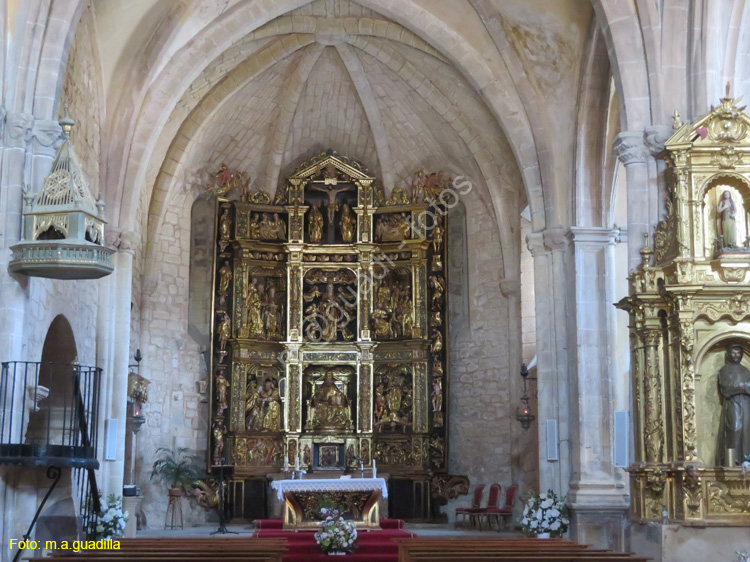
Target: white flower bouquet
x,y
545,513
110,523
336,534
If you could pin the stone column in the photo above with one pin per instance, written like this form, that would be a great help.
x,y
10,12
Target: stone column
x,y
598,494
121,358
633,153
547,249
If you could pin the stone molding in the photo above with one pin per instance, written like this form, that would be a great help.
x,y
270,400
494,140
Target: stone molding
x,y
121,241
631,148
592,235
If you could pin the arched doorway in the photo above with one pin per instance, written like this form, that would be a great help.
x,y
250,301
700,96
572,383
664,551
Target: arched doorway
x,y
59,520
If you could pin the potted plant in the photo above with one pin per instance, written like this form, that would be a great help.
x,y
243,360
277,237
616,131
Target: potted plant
x,y
336,536
177,471
545,515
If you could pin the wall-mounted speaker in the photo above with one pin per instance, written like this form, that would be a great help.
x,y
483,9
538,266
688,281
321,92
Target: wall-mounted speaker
x,y
110,439
552,454
622,438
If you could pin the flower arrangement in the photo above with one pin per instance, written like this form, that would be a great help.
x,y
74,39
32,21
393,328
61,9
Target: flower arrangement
x,y
110,523
545,513
335,534
743,556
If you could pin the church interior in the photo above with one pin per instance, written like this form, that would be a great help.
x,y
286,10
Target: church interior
x,y
420,262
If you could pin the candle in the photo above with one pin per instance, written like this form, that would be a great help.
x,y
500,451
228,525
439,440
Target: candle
x,y
296,463
374,467
286,464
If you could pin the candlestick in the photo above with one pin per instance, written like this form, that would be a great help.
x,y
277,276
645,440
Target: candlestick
x,y
374,466
296,463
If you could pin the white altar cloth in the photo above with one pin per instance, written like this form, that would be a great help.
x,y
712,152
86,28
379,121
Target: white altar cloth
x,y
330,485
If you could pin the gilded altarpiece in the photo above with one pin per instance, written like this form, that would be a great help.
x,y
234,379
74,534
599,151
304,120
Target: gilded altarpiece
x,y
330,328
689,309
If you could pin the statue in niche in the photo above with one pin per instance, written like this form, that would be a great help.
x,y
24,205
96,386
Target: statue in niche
x,y
392,315
218,430
315,224
438,231
393,398
263,407
328,316
348,223
271,403
330,404
253,407
254,308
734,385
306,455
727,211
225,279
225,229
222,385
225,332
273,315
437,395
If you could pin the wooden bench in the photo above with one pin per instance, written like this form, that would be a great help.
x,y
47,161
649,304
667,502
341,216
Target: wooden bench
x,y
191,550
522,550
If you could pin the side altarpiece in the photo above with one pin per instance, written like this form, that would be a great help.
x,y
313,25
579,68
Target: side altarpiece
x,y
330,331
689,309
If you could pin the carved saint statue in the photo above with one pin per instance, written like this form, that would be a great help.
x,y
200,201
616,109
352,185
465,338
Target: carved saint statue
x,y
273,316
348,223
315,224
271,405
437,395
254,226
218,430
225,278
438,231
225,331
734,385
254,309
253,407
222,384
331,405
728,212
225,225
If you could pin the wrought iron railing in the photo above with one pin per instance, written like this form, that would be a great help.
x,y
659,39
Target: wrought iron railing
x,y
49,414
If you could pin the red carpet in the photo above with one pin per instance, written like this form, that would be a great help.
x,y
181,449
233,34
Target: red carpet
x,y
374,546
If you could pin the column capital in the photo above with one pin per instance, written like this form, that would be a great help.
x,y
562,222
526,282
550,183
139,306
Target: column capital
x,y
121,241
631,148
550,240
655,136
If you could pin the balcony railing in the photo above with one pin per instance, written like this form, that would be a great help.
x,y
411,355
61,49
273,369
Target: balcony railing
x,y
49,414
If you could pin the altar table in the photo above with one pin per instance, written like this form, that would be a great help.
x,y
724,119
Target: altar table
x,y
355,498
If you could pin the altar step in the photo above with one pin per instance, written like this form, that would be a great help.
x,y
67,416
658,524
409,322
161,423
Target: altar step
x,y
374,546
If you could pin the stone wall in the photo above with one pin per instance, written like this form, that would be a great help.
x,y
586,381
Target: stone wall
x,y
175,416
479,386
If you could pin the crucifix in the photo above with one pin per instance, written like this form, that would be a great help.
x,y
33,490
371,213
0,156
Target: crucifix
x,y
330,185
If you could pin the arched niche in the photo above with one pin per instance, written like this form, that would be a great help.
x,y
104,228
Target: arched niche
x,y
709,360
712,193
55,374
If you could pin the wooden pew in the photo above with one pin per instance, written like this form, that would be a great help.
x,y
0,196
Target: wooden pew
x,y
188,550
504,550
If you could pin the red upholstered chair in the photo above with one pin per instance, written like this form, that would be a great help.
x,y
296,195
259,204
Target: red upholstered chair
x,y
467,511
505,512
478,515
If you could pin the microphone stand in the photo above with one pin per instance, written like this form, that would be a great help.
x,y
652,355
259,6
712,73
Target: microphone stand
x,y
222,523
